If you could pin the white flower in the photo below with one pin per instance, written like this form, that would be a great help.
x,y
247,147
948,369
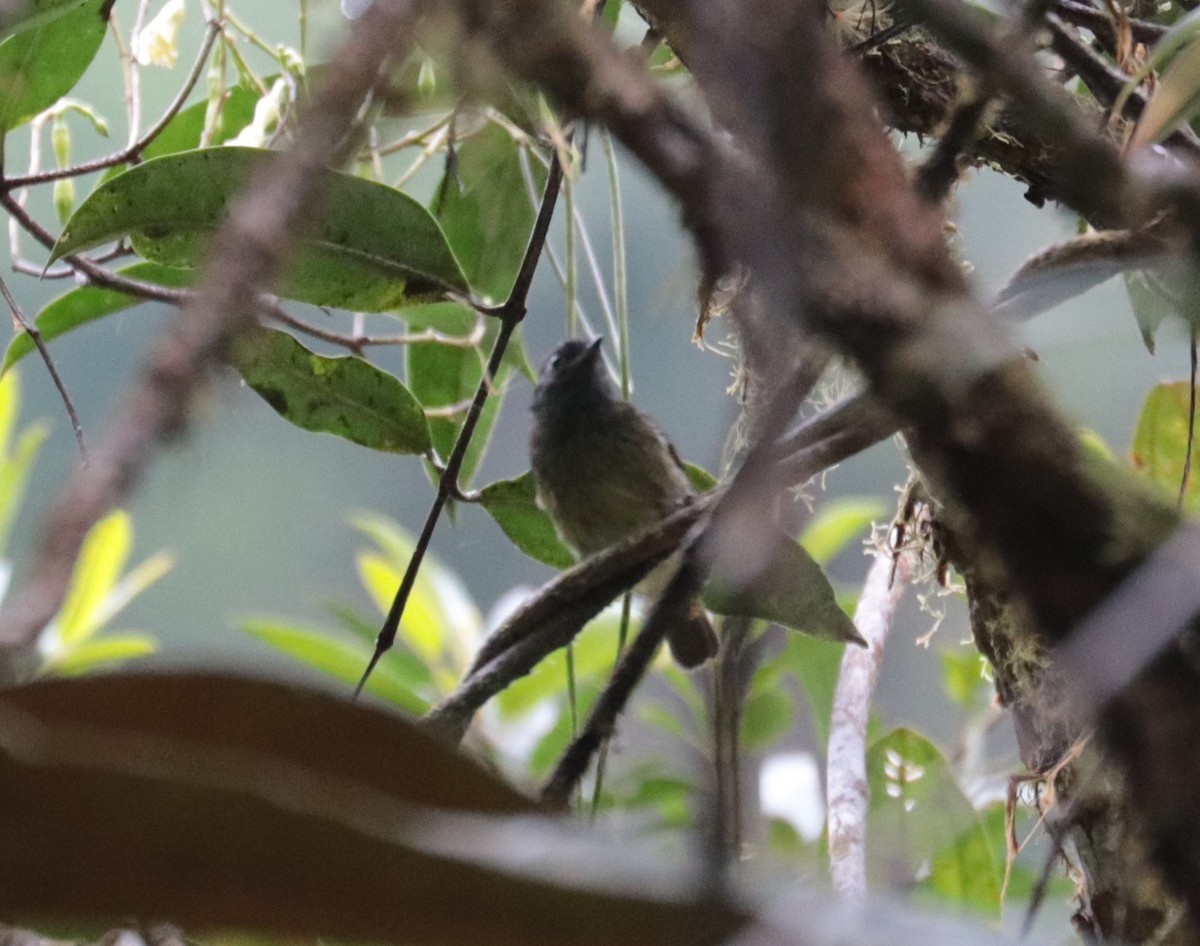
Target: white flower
x,y
266,114
158,42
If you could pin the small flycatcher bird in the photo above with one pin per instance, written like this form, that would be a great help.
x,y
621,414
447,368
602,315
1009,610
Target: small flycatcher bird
x,y
605,471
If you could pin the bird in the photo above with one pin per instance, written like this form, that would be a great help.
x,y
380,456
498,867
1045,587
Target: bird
x,y
604,471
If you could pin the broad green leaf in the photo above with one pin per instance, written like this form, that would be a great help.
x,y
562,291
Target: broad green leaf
x,y
342,660
919,820
86,304
513,505
837,523
40,65
103,556
1160,440
34,13
485,211
447,376
100,652
15,460
346,396
373,249
791,590
766,717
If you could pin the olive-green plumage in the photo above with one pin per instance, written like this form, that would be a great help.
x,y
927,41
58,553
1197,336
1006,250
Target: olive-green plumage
x,y
605,471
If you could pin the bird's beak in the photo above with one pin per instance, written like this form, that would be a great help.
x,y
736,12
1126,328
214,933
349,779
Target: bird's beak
x,y
593,350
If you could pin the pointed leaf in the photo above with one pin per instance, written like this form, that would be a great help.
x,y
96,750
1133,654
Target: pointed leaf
x,y
42,64
513,505
101,652
15,462
346,396
702,481
344,661
374,248
791,590
1154,297
86,304
103,556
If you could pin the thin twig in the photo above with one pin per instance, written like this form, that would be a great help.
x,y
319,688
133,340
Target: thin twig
x,y
510,314
51,367
847,760
97,275
134,150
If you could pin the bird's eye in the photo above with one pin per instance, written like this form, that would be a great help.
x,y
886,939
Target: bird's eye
x,y
555,362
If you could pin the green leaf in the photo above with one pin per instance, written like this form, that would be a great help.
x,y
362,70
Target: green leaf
x,y
132,585
837,523
101,652
342,660
1160,440
919,820
513,505
86,304
374,248
961,675
183,132
15,463
1152,300
595,651
791,590
702,481
34,13
346,396
440,619
41,64
817,664
442,376
103,556
766,717
485,211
